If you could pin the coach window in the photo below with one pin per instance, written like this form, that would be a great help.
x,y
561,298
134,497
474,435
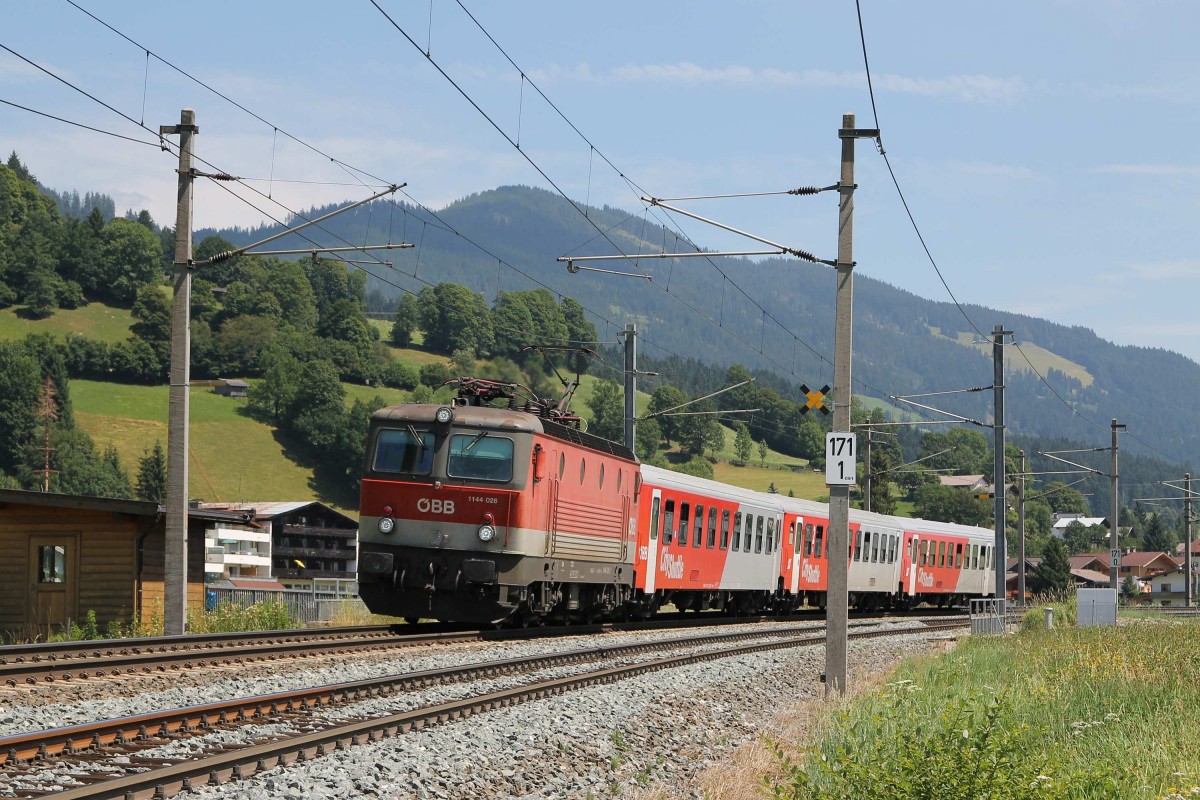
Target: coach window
x,y
958,555
792,539
684,516
942,554
654,504
758,535
669,522
819,541
895,548
857,544
737,532
924,552
698,536
725,529
712,528
974,556
478,456
770,534
808,540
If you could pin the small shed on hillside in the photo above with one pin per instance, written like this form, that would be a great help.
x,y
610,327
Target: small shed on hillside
x,y
231,388
62,556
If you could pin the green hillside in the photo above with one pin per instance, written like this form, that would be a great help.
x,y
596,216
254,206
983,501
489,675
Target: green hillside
x,y
95,320
232,455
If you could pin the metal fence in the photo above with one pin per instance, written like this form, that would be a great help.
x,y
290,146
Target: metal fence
x,y
988,616
306,607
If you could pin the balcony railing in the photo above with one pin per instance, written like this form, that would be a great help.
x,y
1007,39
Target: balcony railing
x,y
315,552
313,573
312,530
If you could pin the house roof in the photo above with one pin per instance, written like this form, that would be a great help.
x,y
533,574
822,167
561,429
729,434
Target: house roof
x,y
266,510
1086,522
1091,575
140,508
1082,560
960,480
1143,559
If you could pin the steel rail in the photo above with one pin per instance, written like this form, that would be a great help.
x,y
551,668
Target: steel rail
x,y
47,663
244,762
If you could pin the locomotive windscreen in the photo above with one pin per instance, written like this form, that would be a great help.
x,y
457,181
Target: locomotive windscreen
x,y
408,451
481,457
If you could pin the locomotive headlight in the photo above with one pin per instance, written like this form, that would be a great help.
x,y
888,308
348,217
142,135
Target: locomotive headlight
x,y
386,525
486,533
443,415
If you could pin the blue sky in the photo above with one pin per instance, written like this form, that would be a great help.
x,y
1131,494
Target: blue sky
x,y
1045,148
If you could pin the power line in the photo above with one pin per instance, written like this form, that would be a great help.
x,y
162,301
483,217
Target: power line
x,y
79,124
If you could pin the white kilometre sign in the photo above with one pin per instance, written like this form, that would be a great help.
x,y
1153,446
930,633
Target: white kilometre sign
x,y
841,451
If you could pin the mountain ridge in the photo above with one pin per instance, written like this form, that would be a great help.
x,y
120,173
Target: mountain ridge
x,y
689,308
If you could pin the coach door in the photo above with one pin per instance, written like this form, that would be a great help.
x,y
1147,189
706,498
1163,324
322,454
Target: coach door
x,y
913,548
53,580
652,540
795,536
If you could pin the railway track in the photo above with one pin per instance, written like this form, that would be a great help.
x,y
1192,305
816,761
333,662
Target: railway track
x,y
35,664
130,757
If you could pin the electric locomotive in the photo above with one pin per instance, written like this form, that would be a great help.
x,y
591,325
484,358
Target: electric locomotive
x,y
477,513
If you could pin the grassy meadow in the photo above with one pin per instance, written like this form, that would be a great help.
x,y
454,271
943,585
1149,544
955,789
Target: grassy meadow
x,y
232,456
95,320
1082,713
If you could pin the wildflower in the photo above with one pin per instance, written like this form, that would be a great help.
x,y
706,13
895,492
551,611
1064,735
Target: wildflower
x,y
966,734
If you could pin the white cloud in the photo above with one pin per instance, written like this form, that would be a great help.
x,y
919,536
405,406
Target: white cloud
x,y
965,88
1149,170
1166,270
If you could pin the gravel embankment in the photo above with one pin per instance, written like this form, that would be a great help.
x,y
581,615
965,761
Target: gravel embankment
x,y
655,730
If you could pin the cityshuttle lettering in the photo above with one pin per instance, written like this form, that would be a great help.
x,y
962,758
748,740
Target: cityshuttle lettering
x,y
426,506
810,573
925,578
671,566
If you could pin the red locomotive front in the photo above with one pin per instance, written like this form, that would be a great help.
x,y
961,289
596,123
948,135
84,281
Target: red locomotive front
x,y
467,513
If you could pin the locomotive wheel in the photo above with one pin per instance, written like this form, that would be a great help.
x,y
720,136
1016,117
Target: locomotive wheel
x,y
412,620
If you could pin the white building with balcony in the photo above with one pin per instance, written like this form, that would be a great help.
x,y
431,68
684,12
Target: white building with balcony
x,y
237,551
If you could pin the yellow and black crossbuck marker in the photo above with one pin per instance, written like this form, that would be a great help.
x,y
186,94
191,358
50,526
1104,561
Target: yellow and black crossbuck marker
x,y
815,399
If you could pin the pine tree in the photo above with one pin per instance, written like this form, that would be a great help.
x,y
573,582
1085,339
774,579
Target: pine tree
x,y
1054,572
152,475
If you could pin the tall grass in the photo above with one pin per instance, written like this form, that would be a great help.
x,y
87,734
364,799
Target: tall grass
x,y
1087,713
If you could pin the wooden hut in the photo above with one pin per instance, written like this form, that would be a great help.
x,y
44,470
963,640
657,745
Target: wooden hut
x,y
62,556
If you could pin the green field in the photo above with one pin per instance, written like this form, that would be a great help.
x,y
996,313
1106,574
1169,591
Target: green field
x,y
232,456
1082,713
95,320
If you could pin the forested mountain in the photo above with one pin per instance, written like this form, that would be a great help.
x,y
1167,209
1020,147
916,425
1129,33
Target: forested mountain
x,y
904,344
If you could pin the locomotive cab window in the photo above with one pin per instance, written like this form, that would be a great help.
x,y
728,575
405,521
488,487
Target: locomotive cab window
x,y
407,450
481,456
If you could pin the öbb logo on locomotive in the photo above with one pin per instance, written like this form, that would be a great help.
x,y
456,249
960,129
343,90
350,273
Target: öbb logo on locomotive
x,y
426,506
514,513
